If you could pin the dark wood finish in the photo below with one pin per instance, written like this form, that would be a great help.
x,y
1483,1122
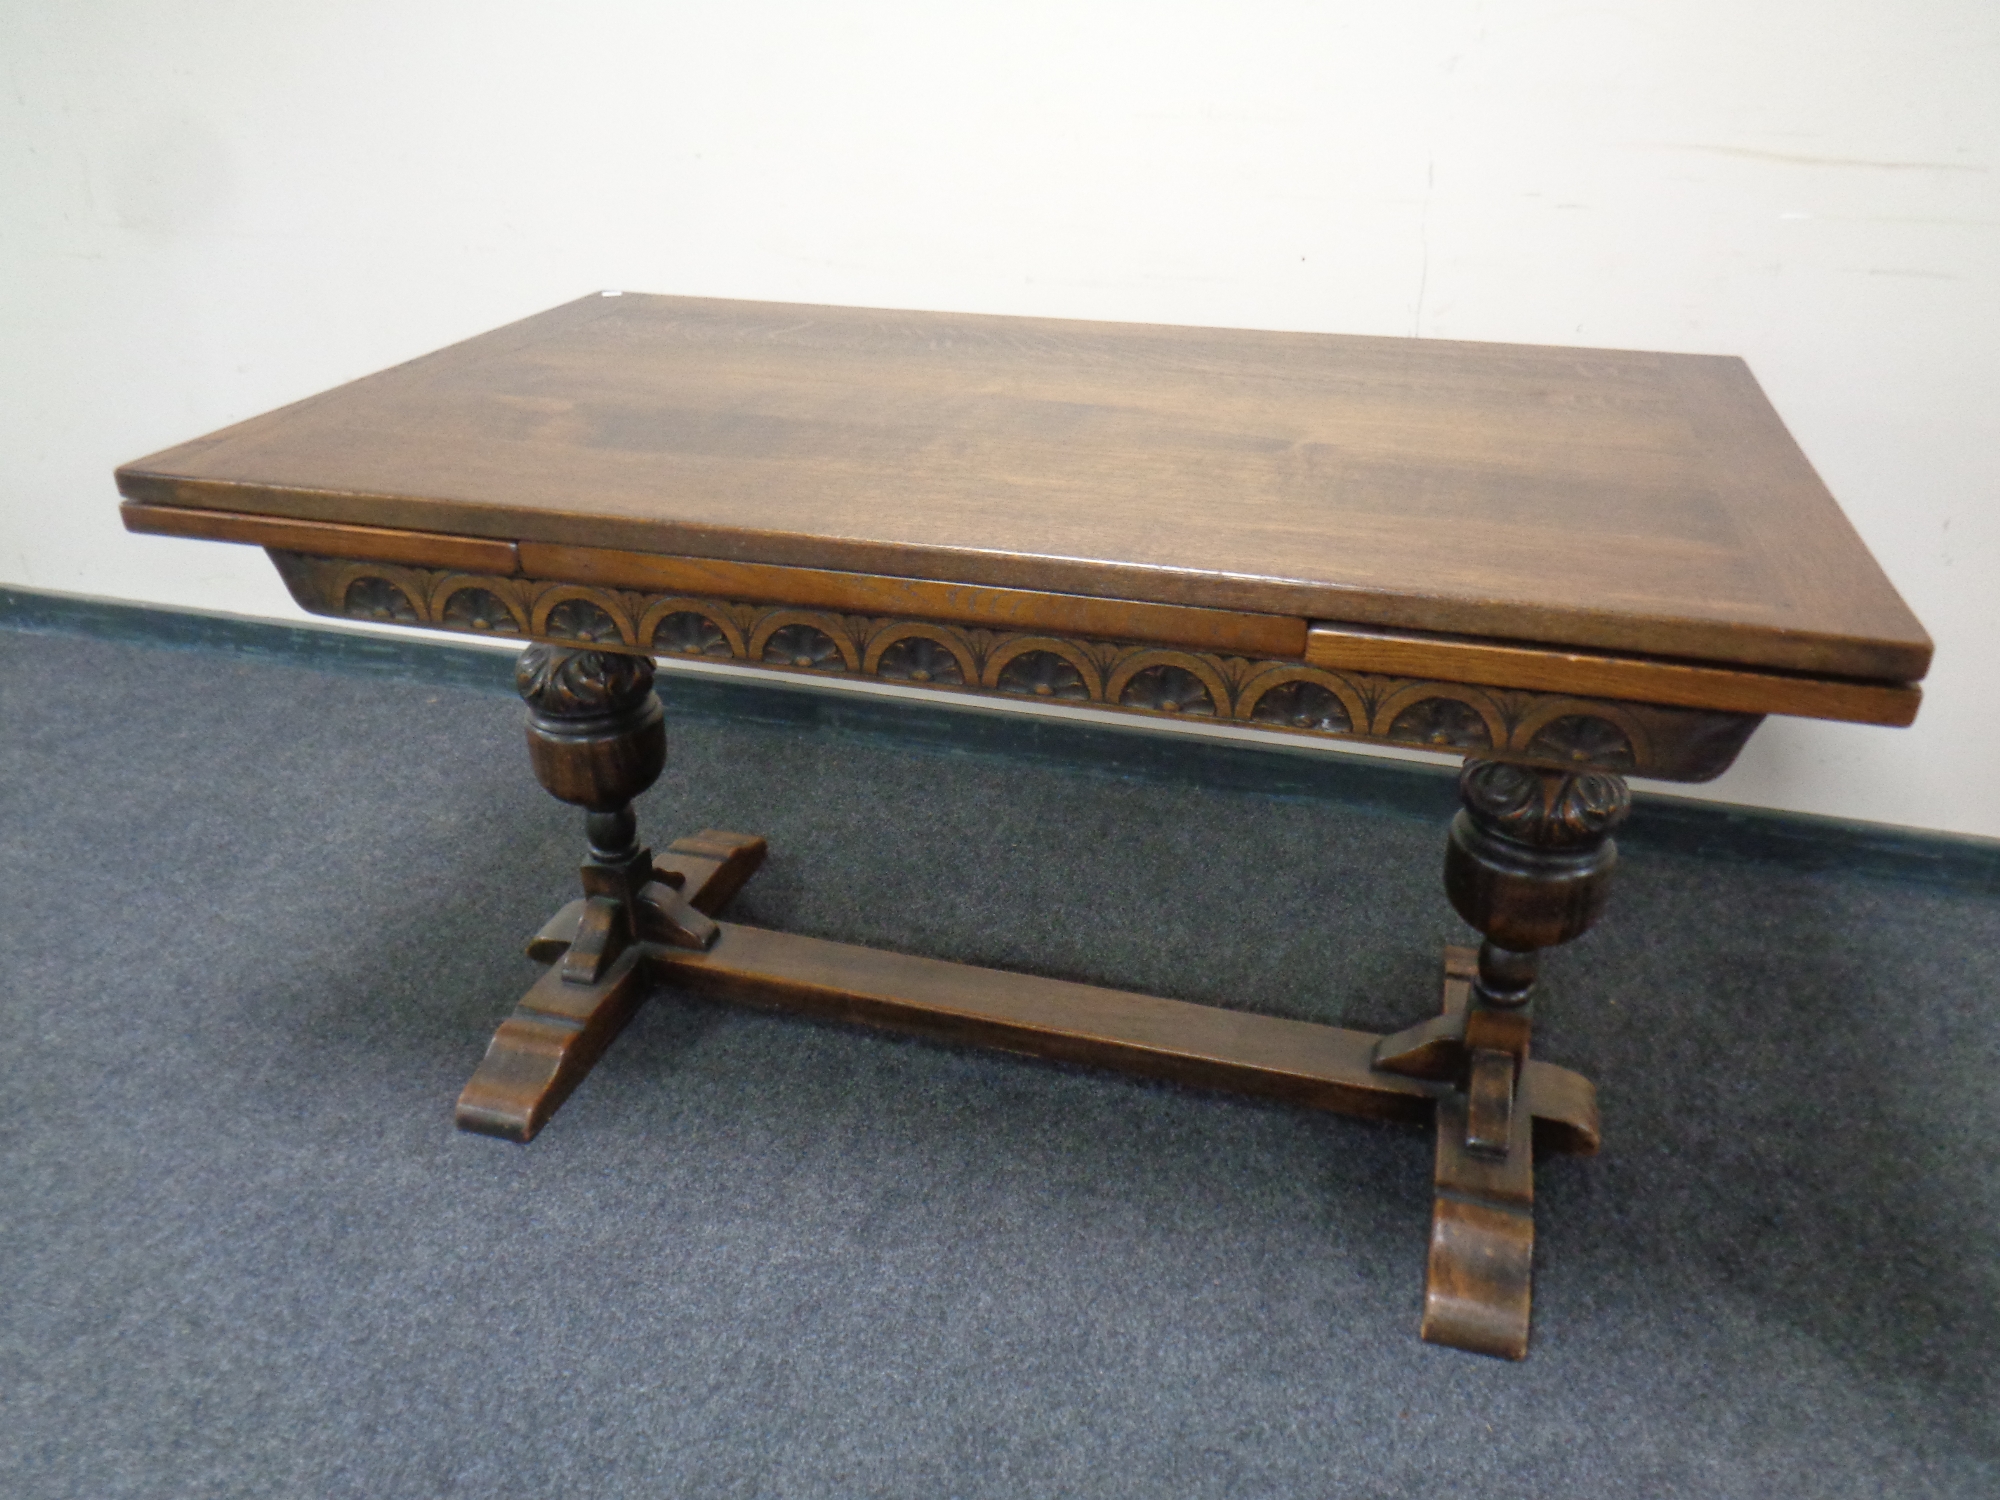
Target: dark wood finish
x,y
603,932
596,738
1285,696
1489,1102
708,868
373,543
1649,504
596,734
1644,680
1322,1067
547,1047
812,588
1528,863
563,1025
1566,564
872,594
1491,1121
1479,1278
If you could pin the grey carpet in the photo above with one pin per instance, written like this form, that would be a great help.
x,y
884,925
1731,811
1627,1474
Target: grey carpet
x,y
259,920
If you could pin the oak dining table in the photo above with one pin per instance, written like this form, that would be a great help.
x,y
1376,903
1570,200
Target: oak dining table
x,y
1563,566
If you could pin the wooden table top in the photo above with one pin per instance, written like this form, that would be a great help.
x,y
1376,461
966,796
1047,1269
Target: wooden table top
x,y
1646,504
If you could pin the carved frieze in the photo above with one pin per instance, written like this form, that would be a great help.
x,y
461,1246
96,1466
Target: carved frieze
x,y
1550,729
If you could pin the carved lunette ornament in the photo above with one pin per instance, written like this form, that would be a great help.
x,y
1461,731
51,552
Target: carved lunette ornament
x,y
1287,696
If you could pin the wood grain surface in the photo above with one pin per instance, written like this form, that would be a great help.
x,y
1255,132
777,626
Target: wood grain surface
x,y
807,588
1320,1067
1643,503
1639,679
372,543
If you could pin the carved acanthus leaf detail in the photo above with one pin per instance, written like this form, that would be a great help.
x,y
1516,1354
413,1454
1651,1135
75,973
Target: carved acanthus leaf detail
x,y
1543,808
562,682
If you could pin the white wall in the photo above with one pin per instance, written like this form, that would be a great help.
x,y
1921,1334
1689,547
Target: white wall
x,y
209,208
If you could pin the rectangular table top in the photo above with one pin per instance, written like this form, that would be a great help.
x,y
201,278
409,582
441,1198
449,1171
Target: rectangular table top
x,y
1644,504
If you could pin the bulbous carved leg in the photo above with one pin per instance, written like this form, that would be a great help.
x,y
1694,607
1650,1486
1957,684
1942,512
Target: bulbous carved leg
x,y
597,738
1529,864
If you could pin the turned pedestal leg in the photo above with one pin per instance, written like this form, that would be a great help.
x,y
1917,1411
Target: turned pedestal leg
x,y
1529,865
597,738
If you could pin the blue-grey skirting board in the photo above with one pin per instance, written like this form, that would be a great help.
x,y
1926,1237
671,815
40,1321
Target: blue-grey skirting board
x,y
261,895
